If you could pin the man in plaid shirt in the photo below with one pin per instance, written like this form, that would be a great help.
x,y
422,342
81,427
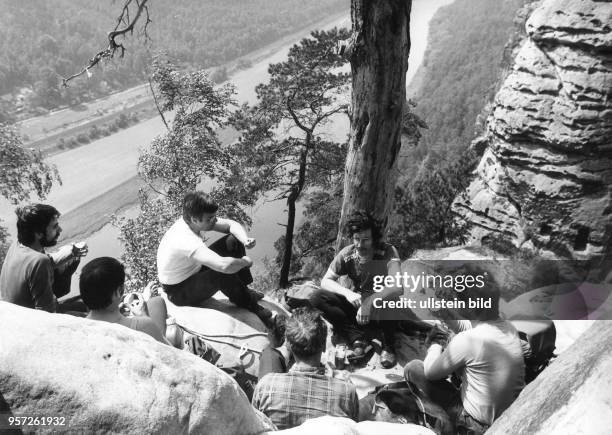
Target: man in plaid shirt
x,y
305,392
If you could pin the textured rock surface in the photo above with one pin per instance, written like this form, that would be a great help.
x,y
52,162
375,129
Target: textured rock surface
x,y
546,174
228,329
572,396
345,426
110,379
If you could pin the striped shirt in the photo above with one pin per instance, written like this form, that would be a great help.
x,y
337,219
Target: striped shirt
x,y
289,399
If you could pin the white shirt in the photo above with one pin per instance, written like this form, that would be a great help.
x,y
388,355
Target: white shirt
x,y
174,255
490,359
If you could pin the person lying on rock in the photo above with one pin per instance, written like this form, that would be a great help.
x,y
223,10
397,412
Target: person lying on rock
x,y
31,277
102,285
191,272
305,391
348,310
488,359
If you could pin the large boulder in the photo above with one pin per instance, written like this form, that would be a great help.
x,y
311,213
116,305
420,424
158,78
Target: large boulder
x,y
545,178
572,396
344,426
107,378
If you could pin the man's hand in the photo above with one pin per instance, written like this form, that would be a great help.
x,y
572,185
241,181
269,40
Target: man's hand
x,y
80,249
437,336
248,261
353,298
250,243
363,317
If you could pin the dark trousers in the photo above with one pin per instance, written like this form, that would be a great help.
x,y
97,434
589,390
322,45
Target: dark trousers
x,y
205,283
338,311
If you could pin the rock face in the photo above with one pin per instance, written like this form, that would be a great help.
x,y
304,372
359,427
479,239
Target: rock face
x,y
228,329
107,378
545,178
572,396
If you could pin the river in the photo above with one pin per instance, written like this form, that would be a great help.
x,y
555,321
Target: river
x,y
93,169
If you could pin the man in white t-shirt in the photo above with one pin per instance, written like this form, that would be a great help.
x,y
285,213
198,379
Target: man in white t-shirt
x,y
191,272
488,358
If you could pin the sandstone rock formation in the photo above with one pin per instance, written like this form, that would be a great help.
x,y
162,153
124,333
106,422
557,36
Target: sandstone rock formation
x,y
572,396
545,179
105,378
344,426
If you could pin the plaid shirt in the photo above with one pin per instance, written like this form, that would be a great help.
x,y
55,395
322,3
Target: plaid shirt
x,y
289,399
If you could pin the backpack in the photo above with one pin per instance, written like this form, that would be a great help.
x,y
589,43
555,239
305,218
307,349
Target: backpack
x,y
427,413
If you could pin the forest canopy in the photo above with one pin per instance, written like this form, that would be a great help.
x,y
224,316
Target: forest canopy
x,y
459,75
45,40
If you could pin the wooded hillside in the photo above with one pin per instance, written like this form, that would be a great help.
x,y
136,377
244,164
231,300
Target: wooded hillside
x,y
459,74
43,40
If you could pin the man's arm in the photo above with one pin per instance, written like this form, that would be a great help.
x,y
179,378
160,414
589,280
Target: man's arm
x,y
440,362
211,259
229,226
330,283
41,286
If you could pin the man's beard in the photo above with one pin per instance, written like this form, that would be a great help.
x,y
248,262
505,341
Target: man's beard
x,y
45,243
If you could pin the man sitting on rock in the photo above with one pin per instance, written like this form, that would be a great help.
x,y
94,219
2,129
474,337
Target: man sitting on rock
x,y
305,392
191,272
102,285
346,309
488,357
32,278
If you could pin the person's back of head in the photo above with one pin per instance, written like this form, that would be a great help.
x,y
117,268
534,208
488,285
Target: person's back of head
x,y
196,203
306,333
100,279
32,219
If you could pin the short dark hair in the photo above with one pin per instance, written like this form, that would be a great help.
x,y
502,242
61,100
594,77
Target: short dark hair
x,y
32,219
361,221
99,279
490,290
306,332
196,203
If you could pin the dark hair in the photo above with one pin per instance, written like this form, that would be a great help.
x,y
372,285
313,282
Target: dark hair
x,y
196,203
306,332
32,219
490,290
99,279
361,221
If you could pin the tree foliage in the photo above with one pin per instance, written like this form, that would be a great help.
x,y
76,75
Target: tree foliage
x,y
459,75
282,150
423,217
23,174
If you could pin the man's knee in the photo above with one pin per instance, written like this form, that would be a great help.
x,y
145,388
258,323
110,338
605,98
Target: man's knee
x,y
414,372
319,298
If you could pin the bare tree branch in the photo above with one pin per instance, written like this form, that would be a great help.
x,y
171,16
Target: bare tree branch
x,y
161,114
122,20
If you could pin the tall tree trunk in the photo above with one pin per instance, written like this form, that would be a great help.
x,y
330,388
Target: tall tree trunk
x,y
292,199
284,273
378,52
